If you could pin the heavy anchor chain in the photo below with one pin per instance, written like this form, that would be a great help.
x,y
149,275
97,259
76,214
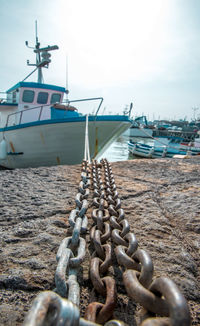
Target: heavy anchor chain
x,y
159,297
72,249
50,308
101,257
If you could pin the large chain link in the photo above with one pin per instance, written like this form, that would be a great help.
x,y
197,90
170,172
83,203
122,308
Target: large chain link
x,y
49,309
160,296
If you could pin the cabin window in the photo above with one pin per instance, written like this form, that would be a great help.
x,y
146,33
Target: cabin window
x,y
42,98
28,96
55,98
14,97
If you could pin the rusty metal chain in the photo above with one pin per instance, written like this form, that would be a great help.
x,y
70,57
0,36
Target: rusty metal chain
x,y
101,257
159,297
52,309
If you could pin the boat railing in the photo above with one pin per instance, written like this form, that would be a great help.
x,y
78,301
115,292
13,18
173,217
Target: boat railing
x,y
42,112
19,117
88,99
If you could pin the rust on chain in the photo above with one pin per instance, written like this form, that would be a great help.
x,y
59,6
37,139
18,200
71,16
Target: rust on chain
x,y
117,204
124,260
107,310
95,275
114,224
121,214
118,239
142,295
110,200
125,228
92,311
97,244
98,312
112,210
108,259
146,267
100,220
106,215
178,307
133,243
106,235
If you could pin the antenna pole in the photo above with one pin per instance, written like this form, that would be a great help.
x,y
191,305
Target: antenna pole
x,y
36,34
67,91
42,56
38,59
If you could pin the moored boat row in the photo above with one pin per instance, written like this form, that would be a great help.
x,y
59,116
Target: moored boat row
x,y
168,150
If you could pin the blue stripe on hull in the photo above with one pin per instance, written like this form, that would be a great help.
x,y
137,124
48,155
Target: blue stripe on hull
x,y
121,118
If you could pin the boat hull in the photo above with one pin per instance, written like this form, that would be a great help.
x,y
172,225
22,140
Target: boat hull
x,y
62,142
147,151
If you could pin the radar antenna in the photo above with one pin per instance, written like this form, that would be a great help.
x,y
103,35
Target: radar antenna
x,y
42,56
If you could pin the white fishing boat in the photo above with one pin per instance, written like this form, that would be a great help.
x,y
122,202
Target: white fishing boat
x,y
39,126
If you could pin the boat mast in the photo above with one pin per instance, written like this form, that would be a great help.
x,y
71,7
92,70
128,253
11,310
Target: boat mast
x,y
42,57
37,46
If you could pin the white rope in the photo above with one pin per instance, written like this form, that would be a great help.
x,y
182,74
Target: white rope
x,y
87,146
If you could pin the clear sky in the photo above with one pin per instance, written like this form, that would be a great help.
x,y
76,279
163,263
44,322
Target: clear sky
x,y
141,51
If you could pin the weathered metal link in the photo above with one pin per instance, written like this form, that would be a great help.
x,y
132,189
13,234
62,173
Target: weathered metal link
x,y
124,260
60,274
112,210
66,259
81,203
103,236
50,309
97,244
76,233
146,267
95,276
108,259
117,239
142,295
72,220
178,308
106,215
73,286
75,261
107,309
133,243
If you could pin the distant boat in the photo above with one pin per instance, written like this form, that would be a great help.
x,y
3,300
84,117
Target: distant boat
x,y
168,150
38,127
139,128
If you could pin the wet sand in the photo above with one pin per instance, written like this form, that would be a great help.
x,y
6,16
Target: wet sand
x,y
161,200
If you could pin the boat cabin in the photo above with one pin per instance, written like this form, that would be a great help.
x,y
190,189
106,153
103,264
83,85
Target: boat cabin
x,y
30,101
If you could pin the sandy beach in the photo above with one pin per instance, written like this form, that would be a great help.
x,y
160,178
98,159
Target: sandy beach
x,y
161,200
